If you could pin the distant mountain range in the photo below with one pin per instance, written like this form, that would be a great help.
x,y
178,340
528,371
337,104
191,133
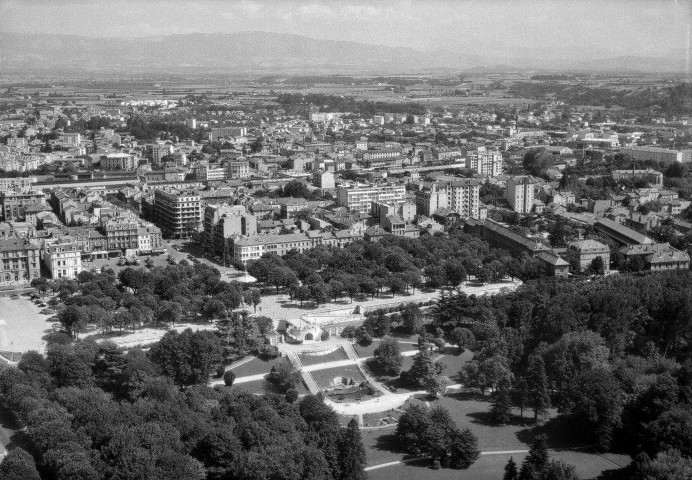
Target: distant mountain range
x,y
262,52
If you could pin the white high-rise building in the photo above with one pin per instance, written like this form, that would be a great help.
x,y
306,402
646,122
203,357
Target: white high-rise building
x,y
520,193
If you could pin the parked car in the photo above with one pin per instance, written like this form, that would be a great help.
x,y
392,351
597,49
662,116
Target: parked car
x,y
14,296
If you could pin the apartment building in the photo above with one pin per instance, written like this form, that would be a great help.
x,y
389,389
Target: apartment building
x,y
148,239
121,235
359,198
204,173
246,249
383,154
430,198
63,260
650,175
485,162
160,151
14,204
463,196
324,180
118,161
520,193
223,132
222,222
177,212
20,261
238,169
588,250
656,154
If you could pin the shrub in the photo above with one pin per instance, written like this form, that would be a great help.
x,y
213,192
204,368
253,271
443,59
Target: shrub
x,y
229,378
291,395
267,352
364,338
220,371
325,335
348,332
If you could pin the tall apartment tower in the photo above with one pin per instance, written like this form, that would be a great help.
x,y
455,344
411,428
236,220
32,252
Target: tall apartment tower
x,y
520,193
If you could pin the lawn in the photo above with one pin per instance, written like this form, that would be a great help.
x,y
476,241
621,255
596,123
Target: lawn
x,y
369,350
263,386
255,366
453,361
491,467
325,376
470,411
313,358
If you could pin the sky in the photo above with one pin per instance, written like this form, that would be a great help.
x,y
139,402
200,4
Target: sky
x,y
583,28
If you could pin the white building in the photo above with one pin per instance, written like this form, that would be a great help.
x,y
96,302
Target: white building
x,y
520,193
360,198
63,260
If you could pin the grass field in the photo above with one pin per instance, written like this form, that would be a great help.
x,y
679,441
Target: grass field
x,y
319,357
255,367
263,386
369,350
472,412
491,467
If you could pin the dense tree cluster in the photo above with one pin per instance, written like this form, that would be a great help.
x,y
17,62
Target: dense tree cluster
x,y
300,103
672,100
612,354
394,263
433,434
94,412
140,296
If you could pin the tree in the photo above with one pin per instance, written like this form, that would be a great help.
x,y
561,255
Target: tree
x,y
511,472
559,470
228,378
594,400
253,297
434,434
536,461
463,449
41,285
412,317
74,319
388,358
463,338
284,375
352,453
422,370
379,324
188,357
490,372
520,395
597,267
668,465
18,465
539,399
336,288
502,406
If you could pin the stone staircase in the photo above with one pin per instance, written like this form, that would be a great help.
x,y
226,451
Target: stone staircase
x,y
310,382
295,359
350,351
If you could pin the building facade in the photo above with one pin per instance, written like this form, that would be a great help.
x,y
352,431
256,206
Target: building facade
x,y
14,205
588,250
63,260
177,212
360,198
20,261
520,193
